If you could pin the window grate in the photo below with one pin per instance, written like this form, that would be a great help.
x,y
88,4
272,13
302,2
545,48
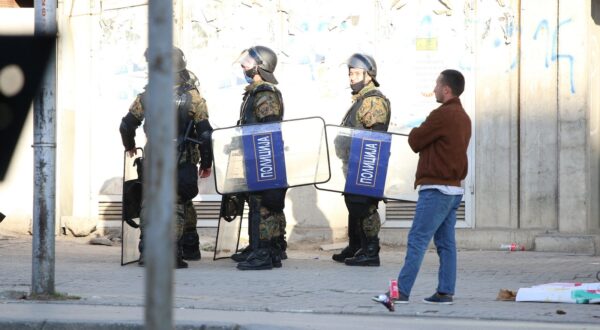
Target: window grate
x,y
206,211
405,211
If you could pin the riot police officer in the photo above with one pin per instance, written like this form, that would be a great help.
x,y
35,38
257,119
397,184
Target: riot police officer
x,y
262,103
192,125
370,110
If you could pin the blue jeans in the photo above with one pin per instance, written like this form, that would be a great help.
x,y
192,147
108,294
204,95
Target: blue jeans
x,y
435,217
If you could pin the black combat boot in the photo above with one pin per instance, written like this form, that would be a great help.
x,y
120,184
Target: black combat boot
x,y
347,252
368,256
258,259
276,253
190,243
179,263
353,243
253,233
242,255
283,246
141,249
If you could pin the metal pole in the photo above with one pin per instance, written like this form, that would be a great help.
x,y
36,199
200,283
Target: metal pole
x,y
159,194
44,144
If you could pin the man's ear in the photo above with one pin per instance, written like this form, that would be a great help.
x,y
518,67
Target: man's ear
x,y
447,89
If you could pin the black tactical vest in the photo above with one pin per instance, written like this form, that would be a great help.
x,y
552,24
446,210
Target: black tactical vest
x,y
350,118
183,111
247,109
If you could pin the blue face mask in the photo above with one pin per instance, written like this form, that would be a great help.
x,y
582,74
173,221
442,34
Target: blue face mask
x,y
249,75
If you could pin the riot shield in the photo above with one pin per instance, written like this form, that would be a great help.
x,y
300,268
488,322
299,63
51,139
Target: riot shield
x,y
370,163
229,225
131,205
268,156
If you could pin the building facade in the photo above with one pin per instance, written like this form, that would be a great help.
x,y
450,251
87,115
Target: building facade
x,y
533,84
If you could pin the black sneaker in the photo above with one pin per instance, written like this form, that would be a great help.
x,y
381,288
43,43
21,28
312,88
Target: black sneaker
x,y
439,299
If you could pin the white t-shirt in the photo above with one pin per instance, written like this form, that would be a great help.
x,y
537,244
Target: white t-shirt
x,y
446,190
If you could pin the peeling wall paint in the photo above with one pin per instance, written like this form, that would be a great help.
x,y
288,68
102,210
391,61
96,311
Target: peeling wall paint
x,y
412,41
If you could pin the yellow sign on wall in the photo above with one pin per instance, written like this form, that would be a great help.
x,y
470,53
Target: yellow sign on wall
x,y
427,43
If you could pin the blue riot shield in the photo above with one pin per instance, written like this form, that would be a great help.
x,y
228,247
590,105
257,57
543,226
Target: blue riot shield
x,y
269,156
258,157
370,163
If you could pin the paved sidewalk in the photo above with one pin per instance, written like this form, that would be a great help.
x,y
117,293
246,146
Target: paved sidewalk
x,y
310,287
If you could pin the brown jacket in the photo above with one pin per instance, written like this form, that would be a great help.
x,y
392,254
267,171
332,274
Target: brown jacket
x,y
442,141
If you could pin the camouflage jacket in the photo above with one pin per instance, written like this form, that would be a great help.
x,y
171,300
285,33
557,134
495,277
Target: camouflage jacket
x,y
370,109
197,111
262,103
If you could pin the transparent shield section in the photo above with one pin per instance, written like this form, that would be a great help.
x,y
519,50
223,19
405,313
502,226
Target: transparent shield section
x,y
349,149
130,235
129,246
300,146
228,235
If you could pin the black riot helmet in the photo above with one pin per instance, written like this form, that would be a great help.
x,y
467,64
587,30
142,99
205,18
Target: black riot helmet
x,y
179,62
365,62
265,59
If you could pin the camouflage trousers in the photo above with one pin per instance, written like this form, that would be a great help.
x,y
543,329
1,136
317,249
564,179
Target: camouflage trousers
x,y
271,223
364,217
185,219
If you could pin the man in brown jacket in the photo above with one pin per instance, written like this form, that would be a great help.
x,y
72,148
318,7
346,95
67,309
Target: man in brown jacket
x,y
441,141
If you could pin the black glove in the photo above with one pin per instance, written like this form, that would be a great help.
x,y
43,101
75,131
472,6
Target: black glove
x,y
127,129
342,146
187,181
232,206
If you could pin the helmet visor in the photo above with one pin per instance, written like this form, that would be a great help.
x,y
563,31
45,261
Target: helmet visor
x,y
246,60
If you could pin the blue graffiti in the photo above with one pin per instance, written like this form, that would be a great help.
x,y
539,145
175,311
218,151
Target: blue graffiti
x,y
543,26
555,56
425,25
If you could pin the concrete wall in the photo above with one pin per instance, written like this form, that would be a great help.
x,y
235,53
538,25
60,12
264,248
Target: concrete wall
x,y
497,115
537,156
593,115
103,68
532,92
538,133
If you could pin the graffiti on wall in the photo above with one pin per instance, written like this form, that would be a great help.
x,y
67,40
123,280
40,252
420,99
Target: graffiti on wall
x,y
423,38
121,48
543,34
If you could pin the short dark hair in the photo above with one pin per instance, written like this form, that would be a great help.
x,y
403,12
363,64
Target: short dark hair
x,y
455,80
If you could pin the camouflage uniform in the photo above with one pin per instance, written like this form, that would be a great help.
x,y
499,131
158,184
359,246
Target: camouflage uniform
x,y
370,110
186,84
267,106
263,103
